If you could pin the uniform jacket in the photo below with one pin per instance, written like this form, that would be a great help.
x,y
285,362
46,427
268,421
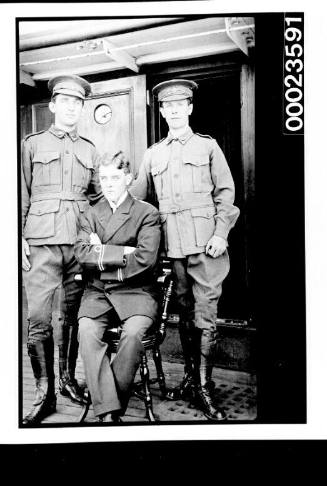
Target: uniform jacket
x,y
59,176
195,190
125,282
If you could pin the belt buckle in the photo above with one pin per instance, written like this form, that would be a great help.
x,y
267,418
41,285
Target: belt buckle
x,y
175,209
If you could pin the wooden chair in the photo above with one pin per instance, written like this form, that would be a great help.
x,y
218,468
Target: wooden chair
x,y
151,342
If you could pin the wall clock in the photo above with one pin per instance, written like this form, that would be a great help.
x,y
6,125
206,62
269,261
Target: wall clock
x,y
102,114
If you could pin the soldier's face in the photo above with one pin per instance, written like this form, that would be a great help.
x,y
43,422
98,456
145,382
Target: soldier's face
x,y
176,113
114,182
67,110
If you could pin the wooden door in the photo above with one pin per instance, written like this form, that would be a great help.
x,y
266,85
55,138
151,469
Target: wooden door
x,y
114,117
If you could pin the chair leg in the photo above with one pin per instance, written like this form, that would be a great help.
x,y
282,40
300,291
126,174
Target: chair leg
x,y
160,374
144,372
85,408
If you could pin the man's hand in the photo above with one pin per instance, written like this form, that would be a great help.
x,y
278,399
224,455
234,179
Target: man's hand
x,y
129,249
216,246
25,253
94,239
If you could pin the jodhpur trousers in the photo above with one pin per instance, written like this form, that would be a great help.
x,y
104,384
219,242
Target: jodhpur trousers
x,y
51,265
199,281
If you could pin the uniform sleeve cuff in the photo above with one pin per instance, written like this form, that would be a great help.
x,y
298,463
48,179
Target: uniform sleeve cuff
x,y
111,256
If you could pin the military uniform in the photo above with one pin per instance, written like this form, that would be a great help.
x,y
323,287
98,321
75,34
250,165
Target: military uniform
x,y
59,178
195,191
58,173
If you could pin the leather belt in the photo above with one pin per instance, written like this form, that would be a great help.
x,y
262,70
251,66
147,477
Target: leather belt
x,y
65,195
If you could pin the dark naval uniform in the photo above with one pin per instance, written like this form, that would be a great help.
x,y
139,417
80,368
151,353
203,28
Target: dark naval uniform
x,y
118,285
195,190
59,178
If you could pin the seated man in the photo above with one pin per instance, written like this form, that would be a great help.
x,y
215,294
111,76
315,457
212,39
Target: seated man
x,y
118,248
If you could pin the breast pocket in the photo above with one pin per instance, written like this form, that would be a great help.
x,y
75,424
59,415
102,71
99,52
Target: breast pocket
x,y
41,219
160,179
198,172
204,224
46,169
82,171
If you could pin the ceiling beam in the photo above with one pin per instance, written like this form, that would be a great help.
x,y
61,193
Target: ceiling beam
x,y
187,53
64,32
25,78
80,71
119,56
167,56
240,32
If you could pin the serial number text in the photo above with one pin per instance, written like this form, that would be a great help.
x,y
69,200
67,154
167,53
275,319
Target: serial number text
x,y
293,74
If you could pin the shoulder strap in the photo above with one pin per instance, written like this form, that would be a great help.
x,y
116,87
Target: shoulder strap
x,y
157,143
87,140
204,136
33,134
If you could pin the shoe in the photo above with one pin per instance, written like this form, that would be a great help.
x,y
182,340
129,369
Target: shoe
x,y
184,391
69,388
205,385
43,406
41,356
110,417
205,403
68,352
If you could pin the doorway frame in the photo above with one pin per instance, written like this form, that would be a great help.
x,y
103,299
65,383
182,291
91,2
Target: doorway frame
x,y
236,63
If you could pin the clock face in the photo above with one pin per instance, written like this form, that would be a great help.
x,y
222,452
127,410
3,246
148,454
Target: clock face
x,y
102,114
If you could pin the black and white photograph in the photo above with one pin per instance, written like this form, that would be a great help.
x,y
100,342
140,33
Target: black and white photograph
x,y
136,196
161,253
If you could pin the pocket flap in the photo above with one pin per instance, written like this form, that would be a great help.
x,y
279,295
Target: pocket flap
x,y
83,205
203,212
197,159
45,157
44,207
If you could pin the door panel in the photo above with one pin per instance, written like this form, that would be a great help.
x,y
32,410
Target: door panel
x,y
42,117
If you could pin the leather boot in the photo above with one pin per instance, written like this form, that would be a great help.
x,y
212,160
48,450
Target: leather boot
x,y
41,356
205,386
68,352
187,386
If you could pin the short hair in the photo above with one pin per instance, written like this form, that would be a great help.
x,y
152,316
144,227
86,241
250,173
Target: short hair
x,y
118,160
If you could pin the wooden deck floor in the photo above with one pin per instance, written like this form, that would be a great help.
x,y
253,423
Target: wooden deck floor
x,y
235,391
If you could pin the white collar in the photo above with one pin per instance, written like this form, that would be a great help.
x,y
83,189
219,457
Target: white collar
x,y
122,198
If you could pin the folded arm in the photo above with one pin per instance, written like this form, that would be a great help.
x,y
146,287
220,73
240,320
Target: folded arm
x,y
119,262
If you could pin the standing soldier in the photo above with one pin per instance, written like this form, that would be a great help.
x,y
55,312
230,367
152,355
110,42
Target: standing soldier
x,y
195,190
59,176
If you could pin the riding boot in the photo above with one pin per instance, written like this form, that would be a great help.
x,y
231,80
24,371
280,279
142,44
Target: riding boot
x,y
41,356
68,352
186,388
204,372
